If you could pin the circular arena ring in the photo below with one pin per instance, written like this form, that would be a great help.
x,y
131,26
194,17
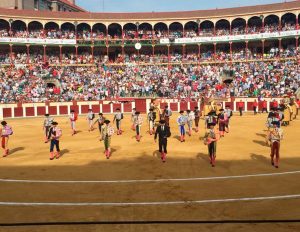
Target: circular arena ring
x,y
182,56
134,190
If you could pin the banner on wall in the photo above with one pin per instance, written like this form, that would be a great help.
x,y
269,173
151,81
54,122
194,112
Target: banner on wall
x,y
38,41
228,38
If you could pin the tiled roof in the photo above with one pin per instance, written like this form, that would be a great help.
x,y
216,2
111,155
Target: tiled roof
x,y
144,16
66,2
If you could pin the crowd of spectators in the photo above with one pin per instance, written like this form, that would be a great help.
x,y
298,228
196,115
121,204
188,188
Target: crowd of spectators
x,y
38,82
146,34
146,57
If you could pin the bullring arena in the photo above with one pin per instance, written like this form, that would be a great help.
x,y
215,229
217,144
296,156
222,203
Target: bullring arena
x,y
134,185
58,62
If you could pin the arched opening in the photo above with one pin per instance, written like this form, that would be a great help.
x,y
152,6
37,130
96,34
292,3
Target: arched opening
x,y
238,26
161,30
206,28
255,25
161,54
114,53
288,47
52,30
99,31
84,55
69,55
239,51
36,54
19,29
68,31
53,55
5,54
271,23
207,52
254,50
35,30
191,53
191,29
84,31
288,22
99,54
271,49
145,31
115,31
4,28
176,30
222,52
222,27
19,55
130,30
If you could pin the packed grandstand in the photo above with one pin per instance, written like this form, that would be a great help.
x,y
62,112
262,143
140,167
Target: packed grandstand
x,y
64,56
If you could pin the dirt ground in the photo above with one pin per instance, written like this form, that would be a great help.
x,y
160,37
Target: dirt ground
x,y
241,152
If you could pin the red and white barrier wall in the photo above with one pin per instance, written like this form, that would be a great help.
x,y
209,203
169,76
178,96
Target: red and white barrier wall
x,y
23,110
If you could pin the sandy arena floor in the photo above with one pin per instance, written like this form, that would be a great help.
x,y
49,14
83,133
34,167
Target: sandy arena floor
x,y
242,152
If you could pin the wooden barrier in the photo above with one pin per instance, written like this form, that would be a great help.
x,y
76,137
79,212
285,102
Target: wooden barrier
x,y
21,110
